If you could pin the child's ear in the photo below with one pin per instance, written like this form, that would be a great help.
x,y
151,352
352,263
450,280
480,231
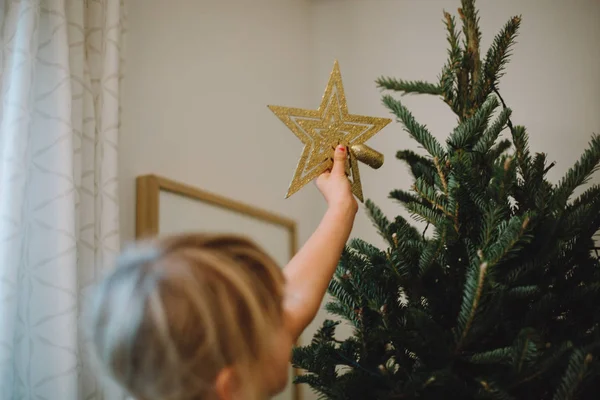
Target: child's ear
x,y
227,384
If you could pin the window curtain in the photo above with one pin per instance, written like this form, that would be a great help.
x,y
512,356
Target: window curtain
x,y
61,68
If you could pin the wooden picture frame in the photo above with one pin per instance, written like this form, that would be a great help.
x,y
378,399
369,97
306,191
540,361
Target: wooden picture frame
x,y
148,193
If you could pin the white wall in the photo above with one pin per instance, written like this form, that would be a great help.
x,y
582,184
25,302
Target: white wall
x,y
200,73
199,77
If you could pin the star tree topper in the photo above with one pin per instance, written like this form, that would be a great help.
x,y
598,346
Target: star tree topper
x,y
323,129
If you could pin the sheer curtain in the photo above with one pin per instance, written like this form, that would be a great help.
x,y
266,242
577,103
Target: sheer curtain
x,y
59,121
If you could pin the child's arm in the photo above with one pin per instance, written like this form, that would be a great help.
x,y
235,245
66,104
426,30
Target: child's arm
x,y
309,272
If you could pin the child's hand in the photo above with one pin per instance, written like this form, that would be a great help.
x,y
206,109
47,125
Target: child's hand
x,y
335,186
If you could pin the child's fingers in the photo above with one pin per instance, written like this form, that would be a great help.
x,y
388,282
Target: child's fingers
x,y
339,161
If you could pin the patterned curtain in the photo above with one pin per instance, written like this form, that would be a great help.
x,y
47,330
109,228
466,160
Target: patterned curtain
x,y
60,78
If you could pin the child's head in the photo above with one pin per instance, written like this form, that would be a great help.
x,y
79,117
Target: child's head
x,y
192,317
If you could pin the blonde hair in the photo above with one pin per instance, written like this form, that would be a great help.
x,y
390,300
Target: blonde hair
x,y
174,312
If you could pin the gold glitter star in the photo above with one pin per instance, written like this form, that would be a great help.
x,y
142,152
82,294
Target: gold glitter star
x,y
323,129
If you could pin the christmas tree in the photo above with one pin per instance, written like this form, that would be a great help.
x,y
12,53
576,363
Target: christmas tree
x,y
499,298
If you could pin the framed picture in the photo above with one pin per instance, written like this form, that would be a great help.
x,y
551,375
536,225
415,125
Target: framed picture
x,y
164,206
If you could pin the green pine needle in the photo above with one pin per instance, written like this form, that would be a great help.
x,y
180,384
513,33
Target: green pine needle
x,y
488,139
498,55
417,131
379,220
448,79
435,199
499,149
502,355
430,255
472,128
424,213
343,294
575,373
472,293
326,332
470,18
524,292
510,235
403,197
342,310
525,349
420,167
521,142
409,87
591,195
491,219
580,172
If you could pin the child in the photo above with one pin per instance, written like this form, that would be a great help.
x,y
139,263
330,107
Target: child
x,y
200,317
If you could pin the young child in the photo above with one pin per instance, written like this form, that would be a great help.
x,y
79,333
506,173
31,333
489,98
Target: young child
x,y
201,317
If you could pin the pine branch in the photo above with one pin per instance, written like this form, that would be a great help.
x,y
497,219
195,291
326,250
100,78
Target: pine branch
x,y
342,310
423,213
539,170
343,294
430,254
519,274
471,129
524,349
487,140
541,308
448,79
472,59
408,87
472,292
503,355
579,173
510,234
319,358
588,292
404,197
503,179
430,194
416,131
591,195
379,220
580,216
497,57
578,365
498,149
313,381
491,219
326,333
442,176
520,140
372,253
359,271
479,196
420,167
524,292
548,361
454,189
405,230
